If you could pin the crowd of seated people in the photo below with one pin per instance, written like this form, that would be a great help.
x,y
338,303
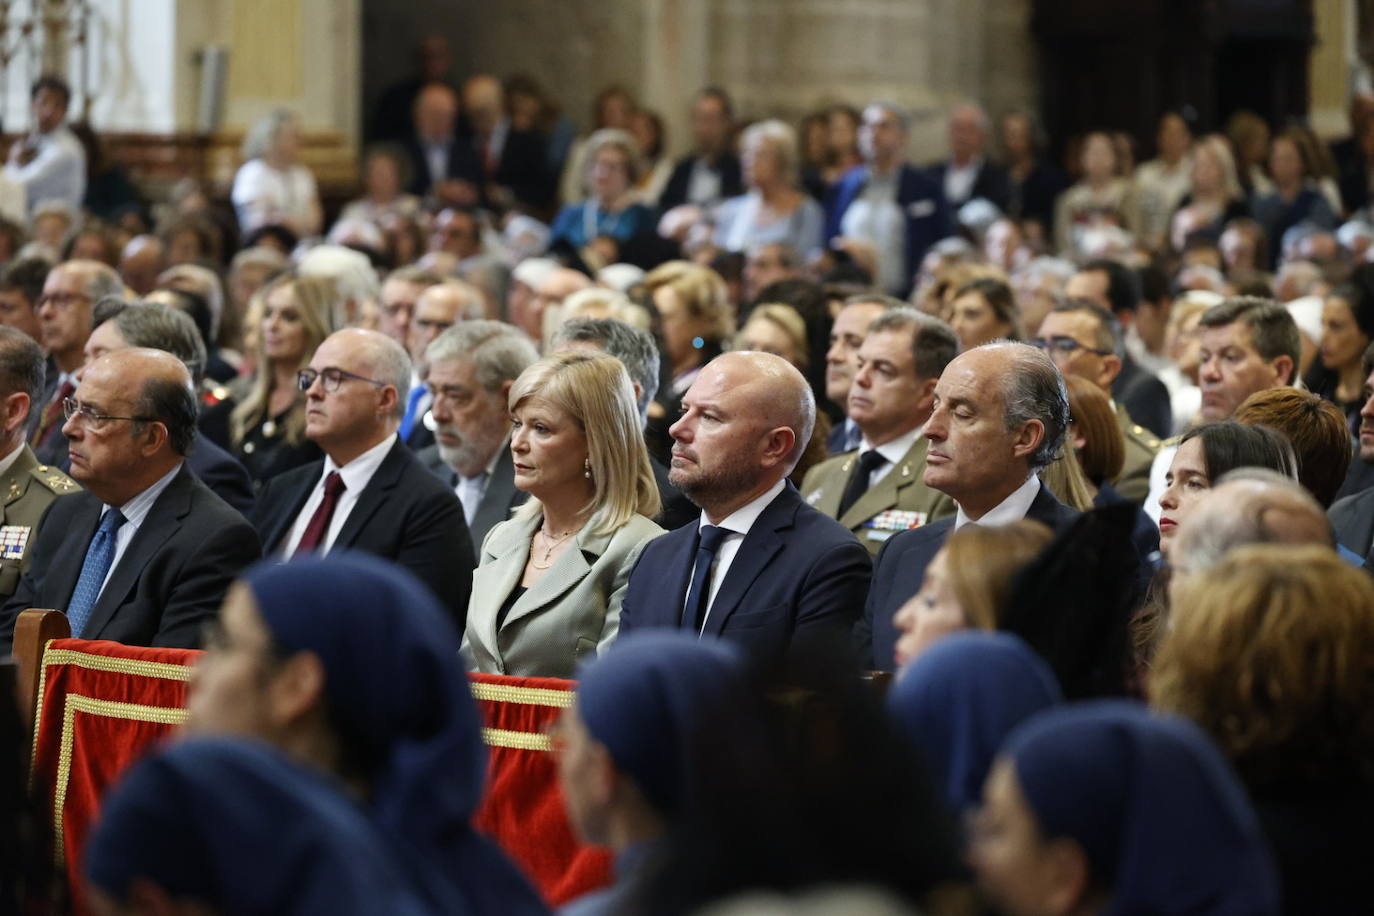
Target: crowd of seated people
x,y
1079,461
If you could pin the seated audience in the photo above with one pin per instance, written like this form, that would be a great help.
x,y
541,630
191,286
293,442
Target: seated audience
x,y
967,585
760,567
982,311
1268,652
1159,185
609,208
960,699
1104,808
272,187
385,178
551,583
1101,197
1347,331
21,289
303,658
775,328
1296,198
1204,454
968,174
1313,427
712,172
369,492
144,554
1214,197
773,208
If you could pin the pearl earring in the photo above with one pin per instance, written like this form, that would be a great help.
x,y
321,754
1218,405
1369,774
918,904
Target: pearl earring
x,y
587,468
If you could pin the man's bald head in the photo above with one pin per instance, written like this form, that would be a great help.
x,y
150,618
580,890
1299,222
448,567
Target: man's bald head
x,y
781,392
483,101
436,112
1249,506
557,286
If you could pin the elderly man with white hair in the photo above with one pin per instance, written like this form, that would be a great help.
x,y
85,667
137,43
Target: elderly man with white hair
x,y
967,174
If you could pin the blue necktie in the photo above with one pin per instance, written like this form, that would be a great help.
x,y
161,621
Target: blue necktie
x,y
99,556
412,405
709,539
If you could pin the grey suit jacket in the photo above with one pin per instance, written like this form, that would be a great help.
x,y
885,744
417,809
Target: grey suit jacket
x,y
899,501
498,500
1353,520
569,613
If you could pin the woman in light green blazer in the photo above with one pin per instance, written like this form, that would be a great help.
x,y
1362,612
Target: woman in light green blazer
x,y
548,587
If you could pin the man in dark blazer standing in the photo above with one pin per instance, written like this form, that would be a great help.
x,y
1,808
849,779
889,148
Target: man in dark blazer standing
x,y
370,492
1000,415
469,370
440,163
145,554
760,567
968,174
712,172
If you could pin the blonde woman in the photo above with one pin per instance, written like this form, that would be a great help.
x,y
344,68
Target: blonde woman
x,y
548,588
773,210
775,328
272,187
265,427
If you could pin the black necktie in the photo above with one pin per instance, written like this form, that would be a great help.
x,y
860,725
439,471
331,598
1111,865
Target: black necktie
x,y
869,462
709,539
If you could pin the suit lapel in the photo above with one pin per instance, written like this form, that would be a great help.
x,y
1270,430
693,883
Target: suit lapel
x,y
761,544
567,572
668,594
161,523
885,493
374,495
65,568
496,500
828,499
291,507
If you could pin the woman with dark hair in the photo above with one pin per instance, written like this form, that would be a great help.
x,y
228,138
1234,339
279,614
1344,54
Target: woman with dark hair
x,y
984,310
655,165
1034,183
1347,329
1296,198
1207,452
386,175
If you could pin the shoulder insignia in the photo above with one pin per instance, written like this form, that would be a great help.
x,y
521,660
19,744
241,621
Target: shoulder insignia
x,y
55,480
1144,435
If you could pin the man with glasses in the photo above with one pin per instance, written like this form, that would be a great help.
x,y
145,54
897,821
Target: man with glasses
x,y
1085,340
145,554
438,308
469,370
400,291
370,492
70,293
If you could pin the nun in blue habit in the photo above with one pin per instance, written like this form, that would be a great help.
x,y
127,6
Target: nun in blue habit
x,y
400,701
233,825
1107,808
958,700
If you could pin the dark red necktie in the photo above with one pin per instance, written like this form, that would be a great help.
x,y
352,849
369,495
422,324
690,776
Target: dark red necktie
x,y
319,522
52,415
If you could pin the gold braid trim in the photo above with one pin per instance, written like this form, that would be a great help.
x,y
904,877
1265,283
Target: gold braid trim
x,y
38,710
521,741
530,696
92,662
77,703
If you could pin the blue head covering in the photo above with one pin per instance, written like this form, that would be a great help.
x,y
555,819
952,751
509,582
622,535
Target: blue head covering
x,y
958,700
648,698
235,824
398,692
1163,819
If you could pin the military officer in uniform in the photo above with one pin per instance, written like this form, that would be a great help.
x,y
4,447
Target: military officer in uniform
x,y
877,490
1085,340
27,488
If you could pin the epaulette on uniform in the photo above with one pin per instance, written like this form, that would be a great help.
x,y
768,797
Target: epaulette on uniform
x,y
55,480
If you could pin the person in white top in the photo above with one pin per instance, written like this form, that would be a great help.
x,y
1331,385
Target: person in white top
x,y
272,187
49,163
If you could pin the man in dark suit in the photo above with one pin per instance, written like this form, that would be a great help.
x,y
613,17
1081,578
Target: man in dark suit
x,y
513,163
637,351
712,172
1116,288
119,325
886,203
369,492
441,165
1353,516
1000,415
146,553
760,567
468,371
967,174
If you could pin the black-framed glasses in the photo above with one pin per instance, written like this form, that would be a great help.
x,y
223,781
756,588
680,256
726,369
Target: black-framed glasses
x,y
92,417
1065,346
331,378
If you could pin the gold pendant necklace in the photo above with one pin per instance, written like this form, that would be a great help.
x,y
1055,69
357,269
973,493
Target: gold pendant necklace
x,y
551,543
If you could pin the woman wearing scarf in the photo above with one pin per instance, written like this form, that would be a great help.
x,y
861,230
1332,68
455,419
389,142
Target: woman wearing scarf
x,y
958,700
237,828
1103,808
350,666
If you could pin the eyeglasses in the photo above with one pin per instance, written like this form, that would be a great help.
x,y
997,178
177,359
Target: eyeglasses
x,y
331,378
1065,346
92,418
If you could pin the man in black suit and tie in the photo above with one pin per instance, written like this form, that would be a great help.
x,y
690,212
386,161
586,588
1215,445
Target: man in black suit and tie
x,y
999,417
712,173
369,492
967,174
760,567
513,163
145,554
441,166
468,370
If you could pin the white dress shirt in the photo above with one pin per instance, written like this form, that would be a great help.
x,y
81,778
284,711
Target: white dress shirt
x,y
56,172
135,513
1011,509
356,475
959,182
894,451
703,187
875,217
738,524
470,490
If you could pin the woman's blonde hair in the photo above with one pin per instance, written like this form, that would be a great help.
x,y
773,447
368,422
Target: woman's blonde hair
x,y
1270,652
785,318
1220,150
981,562
782,139
1104,446
615,138
1065,478
595,391
701,291
317,299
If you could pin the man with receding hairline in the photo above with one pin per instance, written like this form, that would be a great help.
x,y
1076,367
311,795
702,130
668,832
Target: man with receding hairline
x,y
760,567
369,492
145,554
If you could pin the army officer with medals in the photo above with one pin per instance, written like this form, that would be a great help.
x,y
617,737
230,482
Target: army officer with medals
x,y
27,488
877,490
